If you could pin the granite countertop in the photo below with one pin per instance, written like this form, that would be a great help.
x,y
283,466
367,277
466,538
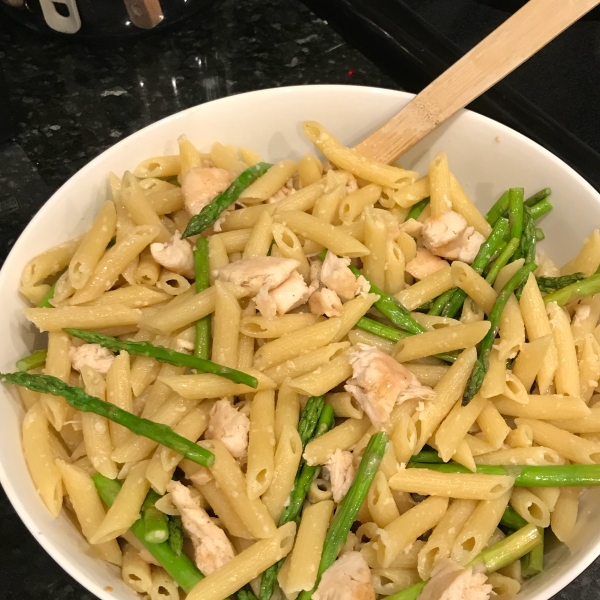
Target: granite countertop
x,y
73,100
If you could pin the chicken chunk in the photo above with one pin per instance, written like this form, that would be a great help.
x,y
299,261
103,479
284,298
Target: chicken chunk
x,y
449,236
379,383
254,273
348,578
339,468
450,581
212,548
413,227
92,355
176,255
201,185
288,295
229,426
424,263
336,275
283,192
325,302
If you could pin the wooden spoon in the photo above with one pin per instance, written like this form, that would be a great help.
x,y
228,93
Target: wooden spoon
x,y
518,38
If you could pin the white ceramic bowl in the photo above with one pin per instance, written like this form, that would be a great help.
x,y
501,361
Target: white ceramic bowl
x,y
486,157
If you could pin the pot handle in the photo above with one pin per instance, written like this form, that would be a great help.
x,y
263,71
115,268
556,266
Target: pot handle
x,y
61,15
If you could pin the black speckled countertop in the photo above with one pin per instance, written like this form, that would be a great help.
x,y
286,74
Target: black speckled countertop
x,y
75,99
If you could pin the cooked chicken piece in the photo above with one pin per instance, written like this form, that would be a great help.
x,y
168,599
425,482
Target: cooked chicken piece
x,y
449,236
325,302
336,275
201,185
348,578
182,345
230,426
340,471
450,581
283,192
379,382
288,295
412,227
176,255
424,263
212,547
253,273
93,355
315,270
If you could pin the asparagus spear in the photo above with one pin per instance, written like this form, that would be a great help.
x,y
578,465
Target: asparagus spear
x,y
392,334
162,354
156,524
180,568
576,291
493,558
537,197
540,209
551,284
310,418
533,563
202,341
502,260
499,208
481,261
427,456
441,301
45,301
348,508
539,234
417,209
176,534
83,402
528,476
483,360
33,361
512,520
515,211
211,212
304,479
392,308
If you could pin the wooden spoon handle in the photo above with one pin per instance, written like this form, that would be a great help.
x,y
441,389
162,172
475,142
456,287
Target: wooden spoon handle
x,y
518,38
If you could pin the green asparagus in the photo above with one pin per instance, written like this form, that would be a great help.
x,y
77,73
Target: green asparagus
x,y
33,361
202,341
528,476
537,197
156,526
548,285
162,354
512,520
499,208
481,261
533,563
180,568
515,211
211,212
417,209
576,291
540,209
426,456
45,301
483,359
309,418
83,402
539,234
502,260
176,534
304,479
350,505
392,308
440,302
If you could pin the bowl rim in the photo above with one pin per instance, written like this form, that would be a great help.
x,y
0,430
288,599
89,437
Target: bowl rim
x,y
70,567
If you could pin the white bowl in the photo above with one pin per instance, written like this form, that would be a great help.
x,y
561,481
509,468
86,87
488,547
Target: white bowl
x,y
486,157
